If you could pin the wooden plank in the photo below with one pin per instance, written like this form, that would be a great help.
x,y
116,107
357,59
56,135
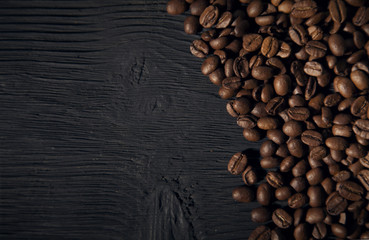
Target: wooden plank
x,y
108,129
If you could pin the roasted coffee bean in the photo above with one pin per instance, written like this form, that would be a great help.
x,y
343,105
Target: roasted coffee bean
x,y
241,67
276,63
312,138
304,9
260,233
297,200
361,16
276,136
316,33
316,196
237,164
249,176
224,20
269,47
316,102
241,28
232,83
341,176
336,44
337,9
328,184
217,77
259,110
191,25
274,106
176,7
282,151
261,215
316,154
296,147
255,8
298,72
262,72
296,101
356,150
298,183
252,42
269,162
287,164
365,161
335,204
298,113
298,216
252,134
339,230
284,50
226,93
315,215
277,234
282,84
208,35
283,193
268,148
218,43
332,100
313,68
267,93
275,179
355,168
315,176
350,190
246,121
209,16
198,6
199,48
243,194
360,79
359,106
344,86
298,34
320,230
302,232
361,128
336,143
264,194
300,168
315,49
267,123
281,218
210,65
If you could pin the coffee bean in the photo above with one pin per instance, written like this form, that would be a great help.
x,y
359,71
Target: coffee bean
x,y
312,138
191,25
210,65
264,194
199,48
255,8
287,164
332,100
298,183
337,9
298,34
283,193
259,110
269,162
328,184
275,179
208,35
267,93
274,106
260,233
241,28
267,123
316,196
268,148
341,176
176,7
241,67
350,190
209,16
302,232
277,233
304,9
315,49
315,176
281,218
246,121
336,44
261,215
298,72
243,194
360,79
336,143
276,136
198,6
356,150
252,134
282,151
313,68
298,113
218,43
361,128
361,16
237,164
297,200
335,204
316,154
217,77
315,215
252,42
344,86
262,72
365,161
269,47
339,230
320,230
296,147
249,176
359,106
226,93
233,83
224,20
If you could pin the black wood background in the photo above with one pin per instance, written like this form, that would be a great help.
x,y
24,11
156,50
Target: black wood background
x,y
108,130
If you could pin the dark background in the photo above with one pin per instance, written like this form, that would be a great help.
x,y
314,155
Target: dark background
x,y
108,129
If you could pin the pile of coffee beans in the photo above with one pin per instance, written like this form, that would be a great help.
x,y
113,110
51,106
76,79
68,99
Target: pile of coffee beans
x,y
296,76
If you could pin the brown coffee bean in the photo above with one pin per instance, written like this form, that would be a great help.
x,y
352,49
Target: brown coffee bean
x,y
233,83
224,20
226,93
298,72
243,194
315,49
337,9
336,143
328,184
302,232
241,28
365,161
316,196
361,16
320,230
350,190
339,230
191,25
296,147
269,47
198,6
217,77
296,101
335,204
276,63
260,233
360,79
359,106
298,183
315,176
252,42
237,164
342,130
284,50
210,65
304,9
283,193
246,121
356,167
297,200
274,106
269,162
209,16
252,134
281,218
264,194
316,33
282,84
176,7
313,68
287,164
344,86
315,215
208,35
249,176
298,216
312,138
292,128
259,110
241,67
218,43
261,215
199,48
361,128
341,176
298,113
255,8
276,136
356,150
298,34
332,100
267,123
275,179
262,72
336,44
268,148
342,119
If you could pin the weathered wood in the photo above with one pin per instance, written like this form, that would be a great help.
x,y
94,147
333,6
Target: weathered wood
x,y
108,130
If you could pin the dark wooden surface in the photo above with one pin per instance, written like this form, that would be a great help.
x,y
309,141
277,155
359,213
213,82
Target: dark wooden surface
x,y
108,130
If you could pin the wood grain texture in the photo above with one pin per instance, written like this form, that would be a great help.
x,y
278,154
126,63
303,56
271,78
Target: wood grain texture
x,y
108,130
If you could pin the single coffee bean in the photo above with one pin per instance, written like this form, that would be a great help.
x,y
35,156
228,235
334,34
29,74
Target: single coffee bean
x,y
316,196
217,77
296,101
339,230
176,7
298,34
261,215
298,216
287,164
336,44
218,43
284,50
233,83
316,33
315,49
198,6
361,128
243,194
264,194
208,35
316,154
310,88
259,110
199,48
283,193
282,84
316,102
337,9
210,65
350,190
313,68
281,218
336,143
255,8
335,204
298,183
342,119
252,42
249,176
226,93
344,86
276,136
356,3
262,72
298,113
300,168
337,155
246,121
355,168
302,232
252,134
268,148
297,200
269,47
315,215
365,161
241,28
191,25
277,234
298,72
361,16
359,106
296,147
292,128
282,151
277,64
328,184
260,233
360,79
269,162
275,179
356,150
241,67
237,164
312,138
320,230
209,16
224,20
267,123
341,176
304,9
332,100
274,106
315,176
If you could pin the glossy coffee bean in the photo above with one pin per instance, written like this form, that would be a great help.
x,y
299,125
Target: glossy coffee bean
x,y
264,194
260,233
261,215
281,218
191,25
315,215
243,194
176,7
